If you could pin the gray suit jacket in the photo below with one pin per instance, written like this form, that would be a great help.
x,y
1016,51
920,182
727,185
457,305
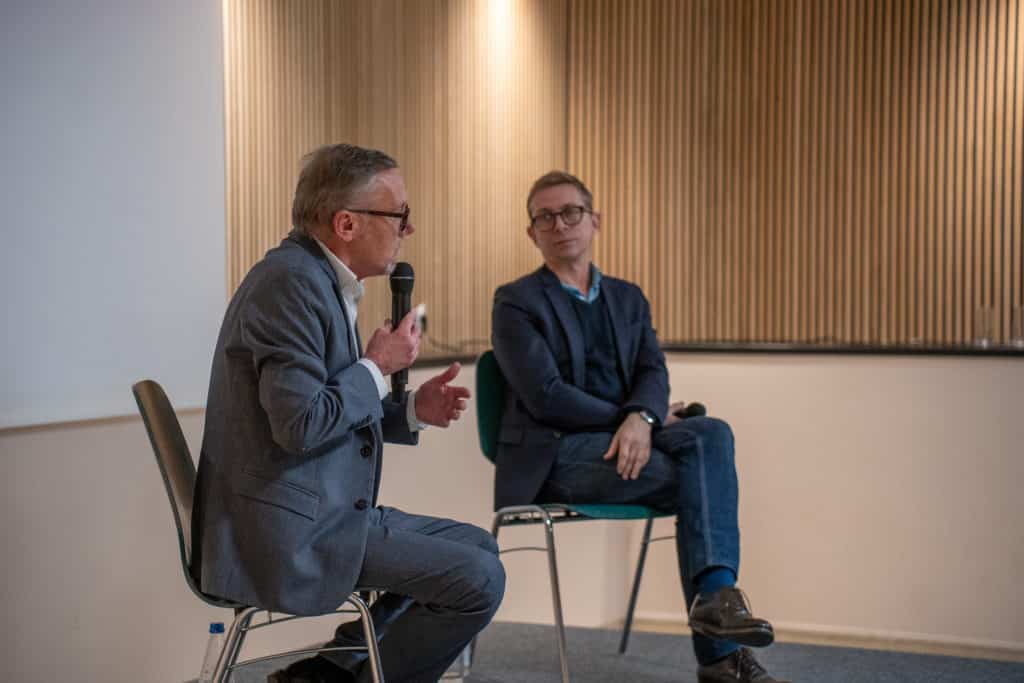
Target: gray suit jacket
x,y
291,454
539,345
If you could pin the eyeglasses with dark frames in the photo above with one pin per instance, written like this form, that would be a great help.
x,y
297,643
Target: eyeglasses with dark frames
x,y
570,215
402,225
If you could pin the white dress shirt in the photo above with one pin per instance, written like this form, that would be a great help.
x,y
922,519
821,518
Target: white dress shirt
x,y
352,290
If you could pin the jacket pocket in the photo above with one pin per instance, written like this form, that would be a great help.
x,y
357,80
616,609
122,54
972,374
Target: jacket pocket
x,y
279,493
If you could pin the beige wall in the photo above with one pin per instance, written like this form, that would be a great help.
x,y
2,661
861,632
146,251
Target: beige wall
x,y
878,496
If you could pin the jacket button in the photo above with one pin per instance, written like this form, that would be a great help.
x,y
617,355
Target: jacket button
x,y
366,451
557,435
361,504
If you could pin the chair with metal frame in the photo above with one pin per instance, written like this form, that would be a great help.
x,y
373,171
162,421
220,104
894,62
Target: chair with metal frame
x,y
179,476
490,397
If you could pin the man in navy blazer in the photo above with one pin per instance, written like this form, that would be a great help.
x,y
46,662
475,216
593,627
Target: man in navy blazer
x,y
286,516
587,420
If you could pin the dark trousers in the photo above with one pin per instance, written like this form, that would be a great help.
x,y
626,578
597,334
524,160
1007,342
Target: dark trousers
x,y
442,583
692,473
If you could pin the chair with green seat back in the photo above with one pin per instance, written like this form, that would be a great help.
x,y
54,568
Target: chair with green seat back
x,y
490,397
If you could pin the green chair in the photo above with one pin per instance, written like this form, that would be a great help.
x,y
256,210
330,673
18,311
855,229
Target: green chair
x,y
490,397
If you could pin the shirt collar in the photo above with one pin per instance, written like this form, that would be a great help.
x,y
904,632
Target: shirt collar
x,y
595,287
352,288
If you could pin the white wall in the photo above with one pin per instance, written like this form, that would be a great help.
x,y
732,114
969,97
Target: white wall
x,y
877,495
112,187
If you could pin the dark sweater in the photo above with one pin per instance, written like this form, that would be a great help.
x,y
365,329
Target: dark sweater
x,y
603,376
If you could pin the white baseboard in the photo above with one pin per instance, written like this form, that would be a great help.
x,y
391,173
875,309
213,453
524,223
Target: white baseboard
x,y
849,636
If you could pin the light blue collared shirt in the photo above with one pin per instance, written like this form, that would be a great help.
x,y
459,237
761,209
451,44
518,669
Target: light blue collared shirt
x,y
352,290
595,287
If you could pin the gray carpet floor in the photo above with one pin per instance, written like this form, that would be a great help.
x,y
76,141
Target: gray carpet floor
x,y
525,653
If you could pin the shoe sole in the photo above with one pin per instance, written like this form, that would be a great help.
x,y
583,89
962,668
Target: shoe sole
x,y
751,637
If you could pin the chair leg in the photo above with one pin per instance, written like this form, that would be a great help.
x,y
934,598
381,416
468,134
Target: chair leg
x,y
636,586
370,635
468,660
233,643
556,595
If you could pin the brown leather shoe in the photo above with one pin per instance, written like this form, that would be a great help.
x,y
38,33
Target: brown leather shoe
x,y
313,670
739,667
725,615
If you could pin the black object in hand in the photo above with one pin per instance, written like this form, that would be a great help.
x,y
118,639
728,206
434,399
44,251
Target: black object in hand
x,y
691,410
402,281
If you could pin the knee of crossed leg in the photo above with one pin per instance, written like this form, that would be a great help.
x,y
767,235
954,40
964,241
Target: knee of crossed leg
x,y
716,434
488,582
481,539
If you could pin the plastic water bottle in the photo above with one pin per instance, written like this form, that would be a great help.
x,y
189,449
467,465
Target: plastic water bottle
x,y
213,647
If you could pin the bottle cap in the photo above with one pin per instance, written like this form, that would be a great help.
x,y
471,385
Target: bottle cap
x,y
217,627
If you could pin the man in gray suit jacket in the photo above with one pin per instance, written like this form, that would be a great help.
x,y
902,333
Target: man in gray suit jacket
x,y
587,420
285,510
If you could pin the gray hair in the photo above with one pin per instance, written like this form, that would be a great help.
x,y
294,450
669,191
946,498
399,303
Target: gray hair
x,y
331,177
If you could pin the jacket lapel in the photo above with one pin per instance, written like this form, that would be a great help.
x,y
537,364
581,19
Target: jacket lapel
x,y
310,245
570,324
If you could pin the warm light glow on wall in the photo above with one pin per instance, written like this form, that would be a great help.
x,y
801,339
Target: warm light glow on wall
x,y
500,25
448,87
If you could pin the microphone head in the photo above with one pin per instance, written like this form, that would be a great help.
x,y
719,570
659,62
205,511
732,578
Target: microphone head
x,y
402,278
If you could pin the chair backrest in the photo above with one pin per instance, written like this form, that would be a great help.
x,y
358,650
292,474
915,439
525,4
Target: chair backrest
x,y
174,460
490,401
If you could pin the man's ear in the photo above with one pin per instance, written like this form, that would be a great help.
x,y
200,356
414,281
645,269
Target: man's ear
x,y
343,225
532,233
595,218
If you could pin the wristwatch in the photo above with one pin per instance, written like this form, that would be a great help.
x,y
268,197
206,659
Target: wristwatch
x,y
647,416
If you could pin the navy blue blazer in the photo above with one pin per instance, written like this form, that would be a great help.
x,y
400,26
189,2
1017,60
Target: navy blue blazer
x,y
539,346
291,455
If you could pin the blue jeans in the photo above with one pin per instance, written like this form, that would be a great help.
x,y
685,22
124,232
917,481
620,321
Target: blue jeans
x,y
443,582
692,473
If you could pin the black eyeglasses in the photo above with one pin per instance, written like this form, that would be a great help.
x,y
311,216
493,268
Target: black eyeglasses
x,y
571,215
402,224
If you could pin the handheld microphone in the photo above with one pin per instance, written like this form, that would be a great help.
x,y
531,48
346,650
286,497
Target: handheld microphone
x,y
402,280
691,410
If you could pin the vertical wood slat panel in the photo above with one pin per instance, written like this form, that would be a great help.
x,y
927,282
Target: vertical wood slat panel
x,y
468,97
784,171
843,172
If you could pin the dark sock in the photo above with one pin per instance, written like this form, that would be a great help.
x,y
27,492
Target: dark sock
x,y
712,579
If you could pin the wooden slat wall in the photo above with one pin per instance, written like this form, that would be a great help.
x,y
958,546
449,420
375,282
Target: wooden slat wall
x,y
806,170
468,96
780,170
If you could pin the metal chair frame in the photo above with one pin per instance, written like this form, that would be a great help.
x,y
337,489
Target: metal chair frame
x,y
171,450
549,515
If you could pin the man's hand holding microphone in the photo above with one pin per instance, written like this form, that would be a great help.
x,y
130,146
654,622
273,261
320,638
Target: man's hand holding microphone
x,y
394,349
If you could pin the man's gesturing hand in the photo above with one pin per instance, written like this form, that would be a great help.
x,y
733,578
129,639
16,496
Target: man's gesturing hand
x,y
438,403
394,350
632,444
